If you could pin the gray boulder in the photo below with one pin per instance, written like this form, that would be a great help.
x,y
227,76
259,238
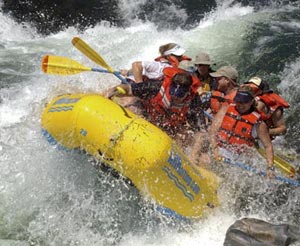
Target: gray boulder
x,y
254,232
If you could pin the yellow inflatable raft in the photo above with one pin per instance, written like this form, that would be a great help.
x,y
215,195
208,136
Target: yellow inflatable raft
x,y
135,148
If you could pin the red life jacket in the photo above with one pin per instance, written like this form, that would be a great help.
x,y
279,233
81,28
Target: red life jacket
x,y
272,101
218,99
161,110
236,129
173,60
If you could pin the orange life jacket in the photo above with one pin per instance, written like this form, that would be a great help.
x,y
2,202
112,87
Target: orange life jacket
x,y
173,60
236,129
160,108
272,101
218,99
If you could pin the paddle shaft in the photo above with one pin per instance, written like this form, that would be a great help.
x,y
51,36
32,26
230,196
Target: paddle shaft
x,y
102,70
259,172
88,51
65,66
280,163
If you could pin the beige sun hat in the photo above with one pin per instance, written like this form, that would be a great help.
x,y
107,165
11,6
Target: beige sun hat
x,y
261,84
226,71
255,80
203,59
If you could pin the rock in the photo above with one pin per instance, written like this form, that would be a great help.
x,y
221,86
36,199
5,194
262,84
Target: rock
x,y
254,232
53,16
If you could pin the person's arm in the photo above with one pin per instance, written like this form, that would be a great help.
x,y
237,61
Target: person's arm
x,y
263,135
119,91
125,72
261,106
146,90
279,127
214,128
195,112
137,70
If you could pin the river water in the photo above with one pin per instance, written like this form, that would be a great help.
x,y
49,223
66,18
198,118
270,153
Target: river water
x,y
53,197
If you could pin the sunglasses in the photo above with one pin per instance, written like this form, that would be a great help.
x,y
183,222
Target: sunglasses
x,y
178,90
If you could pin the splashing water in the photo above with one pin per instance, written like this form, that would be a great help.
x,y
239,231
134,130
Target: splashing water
x,y
53,197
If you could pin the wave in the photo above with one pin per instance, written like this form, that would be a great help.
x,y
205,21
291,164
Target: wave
x,y
53,16
50,197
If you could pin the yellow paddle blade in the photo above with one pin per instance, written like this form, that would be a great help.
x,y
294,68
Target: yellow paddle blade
x,y
90,53
121,90
62,65
282,164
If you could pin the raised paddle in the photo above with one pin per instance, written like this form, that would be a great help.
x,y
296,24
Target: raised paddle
x,y
65,66
94,56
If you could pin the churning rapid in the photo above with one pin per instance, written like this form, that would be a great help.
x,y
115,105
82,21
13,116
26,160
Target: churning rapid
x,y
53,197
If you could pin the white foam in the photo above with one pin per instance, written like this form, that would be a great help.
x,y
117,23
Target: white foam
x,y
59,188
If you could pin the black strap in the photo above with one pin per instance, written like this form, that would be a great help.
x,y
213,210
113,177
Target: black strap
x,y
239,118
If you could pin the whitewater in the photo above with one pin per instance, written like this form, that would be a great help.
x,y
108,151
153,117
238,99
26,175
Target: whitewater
x,y
54,197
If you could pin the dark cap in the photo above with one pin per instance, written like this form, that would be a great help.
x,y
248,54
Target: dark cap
x,y
243,97
265,87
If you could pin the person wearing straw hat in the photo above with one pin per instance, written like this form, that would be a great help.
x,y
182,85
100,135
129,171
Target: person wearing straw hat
x,y
203,69
226,78
202,63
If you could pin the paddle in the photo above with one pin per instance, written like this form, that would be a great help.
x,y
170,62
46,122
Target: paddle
x,y
259,172
65,66
280,163
94,56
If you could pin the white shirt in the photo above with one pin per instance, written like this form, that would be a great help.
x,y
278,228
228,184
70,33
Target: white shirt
x,y
154,69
